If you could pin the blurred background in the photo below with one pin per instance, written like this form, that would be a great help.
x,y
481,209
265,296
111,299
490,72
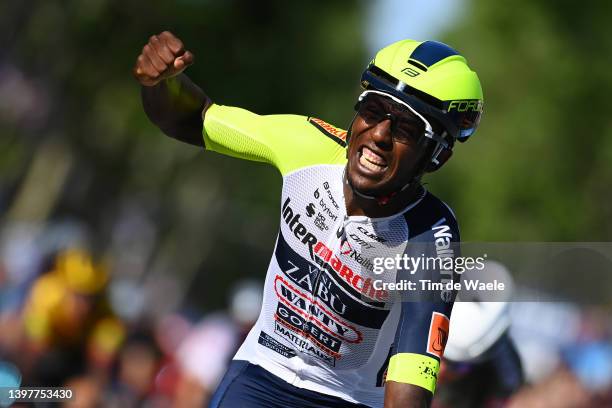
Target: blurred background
x,y
122,251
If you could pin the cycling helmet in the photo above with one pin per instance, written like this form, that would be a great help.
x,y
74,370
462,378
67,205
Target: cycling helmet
x,y
434,79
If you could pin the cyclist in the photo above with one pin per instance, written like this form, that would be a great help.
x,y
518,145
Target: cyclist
x,y
329,333
481,365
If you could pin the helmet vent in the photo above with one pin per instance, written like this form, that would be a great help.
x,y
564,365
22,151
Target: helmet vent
x,y
379,73
418,65
431,52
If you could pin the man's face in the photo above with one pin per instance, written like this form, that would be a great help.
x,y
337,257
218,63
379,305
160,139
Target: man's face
x,y
384,154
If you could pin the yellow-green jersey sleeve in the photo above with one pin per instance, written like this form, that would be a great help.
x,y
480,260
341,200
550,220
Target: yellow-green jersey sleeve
x,y
287,142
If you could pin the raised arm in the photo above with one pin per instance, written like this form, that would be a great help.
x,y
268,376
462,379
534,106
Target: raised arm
x,y
170,99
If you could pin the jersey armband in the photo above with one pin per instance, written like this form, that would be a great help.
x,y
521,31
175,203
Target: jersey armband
x,y
416,369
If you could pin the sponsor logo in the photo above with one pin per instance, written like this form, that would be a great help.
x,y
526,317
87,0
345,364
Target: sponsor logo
x,y
465,105
340,231
303,344
299,230
320,219
330,195
362,242
297,323
411,72
363,285
324,289
334,133
346,248
428,370
313,311
361,260
370,235
310,210
438,334
322,282
270,342
443,238
327,211
320,222
443,243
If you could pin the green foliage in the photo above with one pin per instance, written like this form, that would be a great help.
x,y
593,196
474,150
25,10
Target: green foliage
x,y
539,166
216,217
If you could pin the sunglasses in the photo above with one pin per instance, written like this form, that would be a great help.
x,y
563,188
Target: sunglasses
x,y
407,125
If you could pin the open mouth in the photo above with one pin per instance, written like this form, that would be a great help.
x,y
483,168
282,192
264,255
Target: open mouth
x,y
372,161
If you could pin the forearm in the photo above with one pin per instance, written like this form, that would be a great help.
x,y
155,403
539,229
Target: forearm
x,y
400,395
176,106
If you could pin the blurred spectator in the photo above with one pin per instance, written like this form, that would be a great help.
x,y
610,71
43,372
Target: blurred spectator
x,y
208,349
541,330
568,355
87,390
481,367
67,323
138,363
561,389
9,377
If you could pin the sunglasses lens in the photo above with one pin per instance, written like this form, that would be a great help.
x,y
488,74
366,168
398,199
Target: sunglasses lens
x,y
405,126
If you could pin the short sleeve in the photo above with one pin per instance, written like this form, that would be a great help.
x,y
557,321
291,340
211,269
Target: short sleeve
x,y
424,323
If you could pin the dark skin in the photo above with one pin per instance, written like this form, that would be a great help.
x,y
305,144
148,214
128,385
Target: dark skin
x,y
177,106
170,99
403,163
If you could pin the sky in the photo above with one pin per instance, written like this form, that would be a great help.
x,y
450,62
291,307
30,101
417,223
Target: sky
x,y
392,20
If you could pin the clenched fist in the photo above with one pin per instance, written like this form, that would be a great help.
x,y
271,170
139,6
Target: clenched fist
x,y
164,56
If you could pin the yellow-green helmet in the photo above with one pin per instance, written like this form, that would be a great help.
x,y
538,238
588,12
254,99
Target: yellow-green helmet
x,y
434,79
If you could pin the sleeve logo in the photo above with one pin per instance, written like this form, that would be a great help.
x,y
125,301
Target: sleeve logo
x,y
334,133
438,334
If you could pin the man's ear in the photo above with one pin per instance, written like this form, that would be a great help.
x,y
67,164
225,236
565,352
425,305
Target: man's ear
x,y
442,158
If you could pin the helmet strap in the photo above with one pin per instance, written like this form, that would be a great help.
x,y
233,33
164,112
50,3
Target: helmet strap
x,y
438,150
350,129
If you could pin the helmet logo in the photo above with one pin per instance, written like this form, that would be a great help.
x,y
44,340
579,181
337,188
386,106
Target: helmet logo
x,y
411,72
473,105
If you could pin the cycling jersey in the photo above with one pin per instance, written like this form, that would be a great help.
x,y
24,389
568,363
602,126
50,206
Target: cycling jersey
x,y
327,324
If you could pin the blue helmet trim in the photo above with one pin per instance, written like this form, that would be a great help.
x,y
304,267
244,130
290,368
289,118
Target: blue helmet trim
x,y
430,52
